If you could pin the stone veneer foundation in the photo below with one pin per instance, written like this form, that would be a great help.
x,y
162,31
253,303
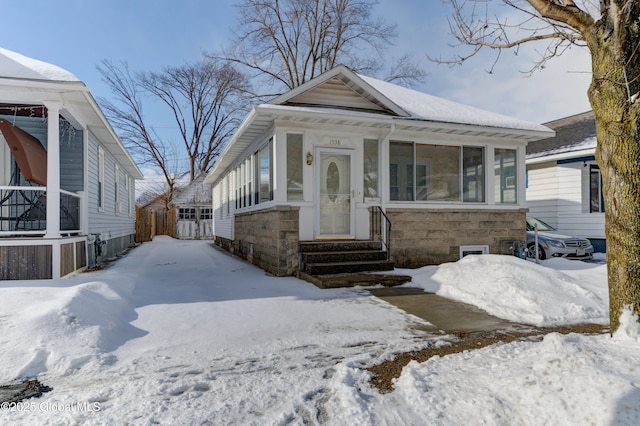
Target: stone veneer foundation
x,y
430,237
267,238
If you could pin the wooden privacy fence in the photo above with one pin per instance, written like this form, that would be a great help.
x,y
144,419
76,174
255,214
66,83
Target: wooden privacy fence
x,y
150,223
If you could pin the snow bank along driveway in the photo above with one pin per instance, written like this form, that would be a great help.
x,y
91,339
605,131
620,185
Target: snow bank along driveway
x,y
178,328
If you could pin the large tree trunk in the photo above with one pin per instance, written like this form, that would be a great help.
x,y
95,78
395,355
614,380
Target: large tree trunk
x,y
618,156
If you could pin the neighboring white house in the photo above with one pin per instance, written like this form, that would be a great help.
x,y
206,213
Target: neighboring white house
x,y
342,154
564,186
66,181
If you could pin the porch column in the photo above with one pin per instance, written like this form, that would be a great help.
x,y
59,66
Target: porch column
x,y
53,169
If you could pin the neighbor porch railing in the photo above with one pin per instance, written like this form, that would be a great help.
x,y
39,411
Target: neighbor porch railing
x,y
380,228
23,211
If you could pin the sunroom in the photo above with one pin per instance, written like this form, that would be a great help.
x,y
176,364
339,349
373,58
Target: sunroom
x,y
348,157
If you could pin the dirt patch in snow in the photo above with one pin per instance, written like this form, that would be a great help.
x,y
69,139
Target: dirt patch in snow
x,y
15,392
385,372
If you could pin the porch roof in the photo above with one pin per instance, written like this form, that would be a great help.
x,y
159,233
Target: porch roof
x,y
262,117
27,81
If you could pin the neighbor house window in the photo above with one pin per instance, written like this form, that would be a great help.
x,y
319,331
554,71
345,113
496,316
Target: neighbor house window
x,y
595,190
116,198
127,186
100,179
294,167
440,173
227,189
370,168
506,184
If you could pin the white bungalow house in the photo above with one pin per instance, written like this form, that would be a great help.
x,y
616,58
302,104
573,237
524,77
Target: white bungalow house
x,y
564,186
66,181
347,157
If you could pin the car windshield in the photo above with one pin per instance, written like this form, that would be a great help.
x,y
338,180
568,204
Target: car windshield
x,y
532,222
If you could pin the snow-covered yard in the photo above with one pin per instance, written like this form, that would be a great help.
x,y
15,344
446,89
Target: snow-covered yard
x,y
178,332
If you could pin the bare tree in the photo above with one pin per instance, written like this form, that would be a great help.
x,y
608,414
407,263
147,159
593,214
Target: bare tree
x,y
610,29
205,100
127,116
292,41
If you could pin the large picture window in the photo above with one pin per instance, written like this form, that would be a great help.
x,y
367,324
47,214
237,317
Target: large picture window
x,y
439,173
100,179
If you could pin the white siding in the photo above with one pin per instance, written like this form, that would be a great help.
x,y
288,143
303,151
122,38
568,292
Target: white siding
x,y
335,92
106,222
557,194
542,192
574,217
223,208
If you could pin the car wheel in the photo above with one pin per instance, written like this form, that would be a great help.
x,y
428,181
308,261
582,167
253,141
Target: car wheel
x,y
531,252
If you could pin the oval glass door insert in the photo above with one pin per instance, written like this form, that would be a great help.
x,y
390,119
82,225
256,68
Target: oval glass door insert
x,y
333,181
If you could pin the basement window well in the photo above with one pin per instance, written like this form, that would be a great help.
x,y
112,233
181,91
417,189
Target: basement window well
x,y
467,250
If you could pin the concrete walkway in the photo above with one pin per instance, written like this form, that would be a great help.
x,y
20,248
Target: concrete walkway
x,y
445,314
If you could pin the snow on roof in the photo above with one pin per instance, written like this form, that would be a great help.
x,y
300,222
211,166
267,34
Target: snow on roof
x,y
588,143
574,134
422,106
17,66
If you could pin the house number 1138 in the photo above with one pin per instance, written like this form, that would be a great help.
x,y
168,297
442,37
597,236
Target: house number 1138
x,y
334,142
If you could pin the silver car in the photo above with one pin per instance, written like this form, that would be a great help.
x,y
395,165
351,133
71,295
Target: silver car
x,y
551,244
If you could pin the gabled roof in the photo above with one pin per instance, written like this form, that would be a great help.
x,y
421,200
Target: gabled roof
x,y
28,81
342,88
343,98
575,137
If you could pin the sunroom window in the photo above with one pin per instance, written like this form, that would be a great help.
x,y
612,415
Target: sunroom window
x,y
370,168
264,174
294,167
506,182
436,173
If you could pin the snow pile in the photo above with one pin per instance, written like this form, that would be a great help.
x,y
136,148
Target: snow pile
x,y
522,291
60,329
178,332
15,65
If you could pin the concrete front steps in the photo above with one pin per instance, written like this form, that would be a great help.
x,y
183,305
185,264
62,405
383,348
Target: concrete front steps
x,y
339,263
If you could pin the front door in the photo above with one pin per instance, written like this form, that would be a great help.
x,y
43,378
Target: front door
x,y
334,218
